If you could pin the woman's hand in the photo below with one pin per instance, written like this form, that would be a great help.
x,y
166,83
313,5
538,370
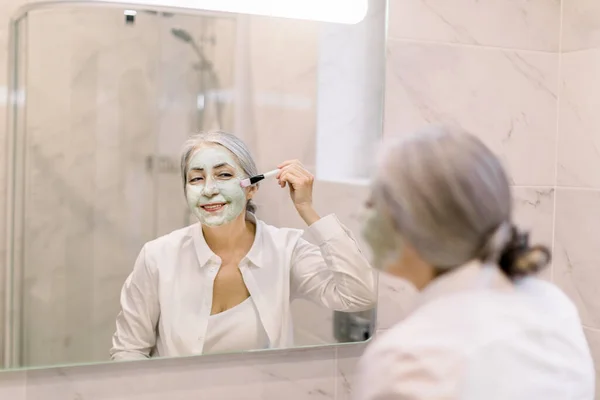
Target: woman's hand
x,y
300,182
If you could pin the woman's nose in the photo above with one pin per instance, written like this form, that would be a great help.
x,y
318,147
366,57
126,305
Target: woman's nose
x,y
210,188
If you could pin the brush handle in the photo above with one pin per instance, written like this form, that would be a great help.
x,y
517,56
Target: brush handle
x,y
257,178
271,173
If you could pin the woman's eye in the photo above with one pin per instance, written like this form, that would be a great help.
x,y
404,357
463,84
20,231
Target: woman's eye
x,y
225,175
196,179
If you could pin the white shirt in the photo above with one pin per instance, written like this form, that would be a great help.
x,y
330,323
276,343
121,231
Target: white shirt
x,y
167,299
476,336
236,329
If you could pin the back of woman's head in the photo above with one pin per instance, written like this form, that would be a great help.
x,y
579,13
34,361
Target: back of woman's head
x,y
449,198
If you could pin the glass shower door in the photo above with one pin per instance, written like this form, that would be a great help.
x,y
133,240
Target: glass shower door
x,y
109,97
89,197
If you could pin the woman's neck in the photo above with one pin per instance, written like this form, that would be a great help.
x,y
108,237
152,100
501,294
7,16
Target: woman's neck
x,y
232,238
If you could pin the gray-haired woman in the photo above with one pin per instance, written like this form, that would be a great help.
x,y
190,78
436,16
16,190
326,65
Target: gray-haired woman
x,y
225,284
483,328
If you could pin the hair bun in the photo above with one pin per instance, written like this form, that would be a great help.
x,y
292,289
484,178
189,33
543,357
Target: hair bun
x,y
519,259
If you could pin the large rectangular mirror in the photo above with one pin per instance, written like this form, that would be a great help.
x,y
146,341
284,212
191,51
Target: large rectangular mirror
x,y
118,250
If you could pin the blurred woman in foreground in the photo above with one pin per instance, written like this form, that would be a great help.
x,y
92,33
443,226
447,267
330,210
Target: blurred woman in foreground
x,y
483,327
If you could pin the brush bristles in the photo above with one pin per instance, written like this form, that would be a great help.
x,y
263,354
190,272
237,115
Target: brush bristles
x,y
244,183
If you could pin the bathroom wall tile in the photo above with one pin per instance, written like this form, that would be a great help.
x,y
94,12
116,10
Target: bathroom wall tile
x,y
508,98
534,213
576,259
176,379
347,358
580,25
534,25
593,339
300,373
12,385
579,122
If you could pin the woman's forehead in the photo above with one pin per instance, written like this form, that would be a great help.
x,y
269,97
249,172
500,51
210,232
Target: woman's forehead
x,y
211,155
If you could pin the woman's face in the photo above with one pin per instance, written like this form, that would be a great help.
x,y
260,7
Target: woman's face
x,y
213,188
390,253
379,233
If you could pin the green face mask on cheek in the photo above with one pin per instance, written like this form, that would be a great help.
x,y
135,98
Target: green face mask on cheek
x,y
382,238
217,186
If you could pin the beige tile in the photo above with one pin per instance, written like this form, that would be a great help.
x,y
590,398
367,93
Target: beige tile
x,y
534,25
534,213
580,25
13,385
347,359
180,379
579,120
576,256
300,374
507,98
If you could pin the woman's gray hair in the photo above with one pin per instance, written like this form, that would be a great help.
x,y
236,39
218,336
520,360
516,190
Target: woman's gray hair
x,y
228,141
449,197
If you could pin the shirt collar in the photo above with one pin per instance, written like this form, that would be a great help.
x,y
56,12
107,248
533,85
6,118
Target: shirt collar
x,y
472,276
206,256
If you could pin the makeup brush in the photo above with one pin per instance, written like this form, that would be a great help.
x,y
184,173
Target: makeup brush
x,y
257,178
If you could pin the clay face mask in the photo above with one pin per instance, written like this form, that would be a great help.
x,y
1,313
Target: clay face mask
x,y
213,188
381,237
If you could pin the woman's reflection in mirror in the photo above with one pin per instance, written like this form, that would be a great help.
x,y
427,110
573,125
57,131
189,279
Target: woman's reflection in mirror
x,y
225,283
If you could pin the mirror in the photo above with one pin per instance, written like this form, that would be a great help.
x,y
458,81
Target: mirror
x,y
106,258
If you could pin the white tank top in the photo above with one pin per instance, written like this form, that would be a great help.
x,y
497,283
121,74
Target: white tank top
x,y
236,329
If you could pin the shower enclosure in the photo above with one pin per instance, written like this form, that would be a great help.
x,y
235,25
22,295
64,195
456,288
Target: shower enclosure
x,y
103,98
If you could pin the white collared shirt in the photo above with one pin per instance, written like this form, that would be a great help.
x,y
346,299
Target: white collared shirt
x,y
474,335
166,301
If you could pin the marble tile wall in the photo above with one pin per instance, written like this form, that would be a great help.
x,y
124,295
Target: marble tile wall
x,y
528,91
576,238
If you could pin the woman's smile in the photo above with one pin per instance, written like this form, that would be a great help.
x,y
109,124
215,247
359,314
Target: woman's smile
x,y
213,207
